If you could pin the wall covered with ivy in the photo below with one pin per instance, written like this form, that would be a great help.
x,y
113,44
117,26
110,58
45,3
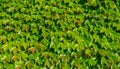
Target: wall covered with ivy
x,y
59,34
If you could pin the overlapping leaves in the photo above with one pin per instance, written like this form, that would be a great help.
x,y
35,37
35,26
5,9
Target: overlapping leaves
x,y
59,34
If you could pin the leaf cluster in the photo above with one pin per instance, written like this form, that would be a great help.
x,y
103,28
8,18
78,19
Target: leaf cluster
x,y
59,34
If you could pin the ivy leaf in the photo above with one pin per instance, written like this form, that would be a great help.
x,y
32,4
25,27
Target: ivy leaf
x,y
88,52
92,61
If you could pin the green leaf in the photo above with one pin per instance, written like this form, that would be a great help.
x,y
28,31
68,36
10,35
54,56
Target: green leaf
x,y
92,61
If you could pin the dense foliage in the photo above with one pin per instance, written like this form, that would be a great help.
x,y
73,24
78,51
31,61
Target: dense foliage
x,y
59,34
